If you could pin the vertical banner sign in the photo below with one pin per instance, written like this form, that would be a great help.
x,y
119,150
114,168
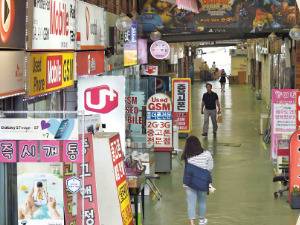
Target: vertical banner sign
x,y
40,193
51,24
121,182
181,96
294,169
130,46
298,110
89,63
105,96
143,51
90,26
91,214
48,72
283,120
159,121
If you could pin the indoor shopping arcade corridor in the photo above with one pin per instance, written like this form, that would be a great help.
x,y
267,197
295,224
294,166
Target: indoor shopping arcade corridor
x,y
242,174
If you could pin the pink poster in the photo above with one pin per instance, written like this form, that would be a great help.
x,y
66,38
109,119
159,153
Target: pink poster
x,y
72,151
283,120
8,152
143,51
49,151
28,151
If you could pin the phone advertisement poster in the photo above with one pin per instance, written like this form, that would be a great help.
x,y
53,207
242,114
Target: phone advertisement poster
x,y
40,194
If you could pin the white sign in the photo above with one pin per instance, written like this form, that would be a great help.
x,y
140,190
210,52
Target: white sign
x,y
149,70
73,184
284,118
90,26
12,73
104,95
159,121
160,49
181,97
38,129
52,24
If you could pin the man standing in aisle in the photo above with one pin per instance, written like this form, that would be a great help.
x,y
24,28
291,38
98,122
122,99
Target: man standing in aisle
x,y
210,103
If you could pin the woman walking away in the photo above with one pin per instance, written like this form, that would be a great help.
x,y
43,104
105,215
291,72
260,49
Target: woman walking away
x,y
223,80
197,178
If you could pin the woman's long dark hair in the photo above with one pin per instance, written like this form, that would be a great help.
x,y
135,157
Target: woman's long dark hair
x,y
192,148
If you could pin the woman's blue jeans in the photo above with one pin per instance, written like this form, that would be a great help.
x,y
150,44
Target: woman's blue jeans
x,y
192,197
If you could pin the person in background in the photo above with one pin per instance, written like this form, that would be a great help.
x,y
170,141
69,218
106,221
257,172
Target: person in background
x,y
195,155
223,80
213,67
210,103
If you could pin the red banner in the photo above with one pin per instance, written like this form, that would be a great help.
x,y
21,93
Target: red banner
x,y
181,96
90,63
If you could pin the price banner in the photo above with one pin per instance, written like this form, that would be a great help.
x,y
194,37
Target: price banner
x,y
181,96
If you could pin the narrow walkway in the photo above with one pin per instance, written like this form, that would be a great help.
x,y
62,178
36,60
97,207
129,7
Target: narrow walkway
x,y
242,175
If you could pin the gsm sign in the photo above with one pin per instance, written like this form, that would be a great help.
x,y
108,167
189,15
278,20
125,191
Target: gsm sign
x,y
7,19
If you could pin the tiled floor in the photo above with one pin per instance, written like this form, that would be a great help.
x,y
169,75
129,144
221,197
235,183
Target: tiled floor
x,y
242,174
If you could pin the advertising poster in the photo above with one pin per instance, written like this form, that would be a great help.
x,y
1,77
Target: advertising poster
x,y
48,72
40,193
181,96
121,182
142,51
294,169
134,108
12,81
159,121
51,24
131,46
12,24
90,26
38,129
89,63
104,96
298,110
283,120
232,16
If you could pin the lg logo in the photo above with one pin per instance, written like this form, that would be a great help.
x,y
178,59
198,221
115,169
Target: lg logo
x,y
101,99
7,17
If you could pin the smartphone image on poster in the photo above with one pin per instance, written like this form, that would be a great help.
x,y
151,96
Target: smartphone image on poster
x,y
62,129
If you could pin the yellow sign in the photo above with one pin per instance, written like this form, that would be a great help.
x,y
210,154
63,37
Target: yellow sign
x,y
130,57
49,72
125,202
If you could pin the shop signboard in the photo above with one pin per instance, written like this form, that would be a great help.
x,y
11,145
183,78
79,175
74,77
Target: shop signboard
x,y
131,46
40,184
150,70
134,111
105,96
283,120
159,121
142,51
48,72
87,170
294,162
38,129
298,110
12,24
89,63
160,50
90,26
51,25
181,98
12,69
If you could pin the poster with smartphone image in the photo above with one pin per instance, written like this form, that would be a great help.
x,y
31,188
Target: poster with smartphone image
x,y
40,194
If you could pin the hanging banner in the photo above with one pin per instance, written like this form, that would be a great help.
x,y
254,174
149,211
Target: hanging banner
x,y
40,193
159,121
51,25
283,120
142,51
181,98
298,110
130,46
12,81
89,63
38,129
91,213
160,50
90,26
105,96
48,72
12,24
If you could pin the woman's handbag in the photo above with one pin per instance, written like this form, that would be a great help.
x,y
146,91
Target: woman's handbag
x,y
196,178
